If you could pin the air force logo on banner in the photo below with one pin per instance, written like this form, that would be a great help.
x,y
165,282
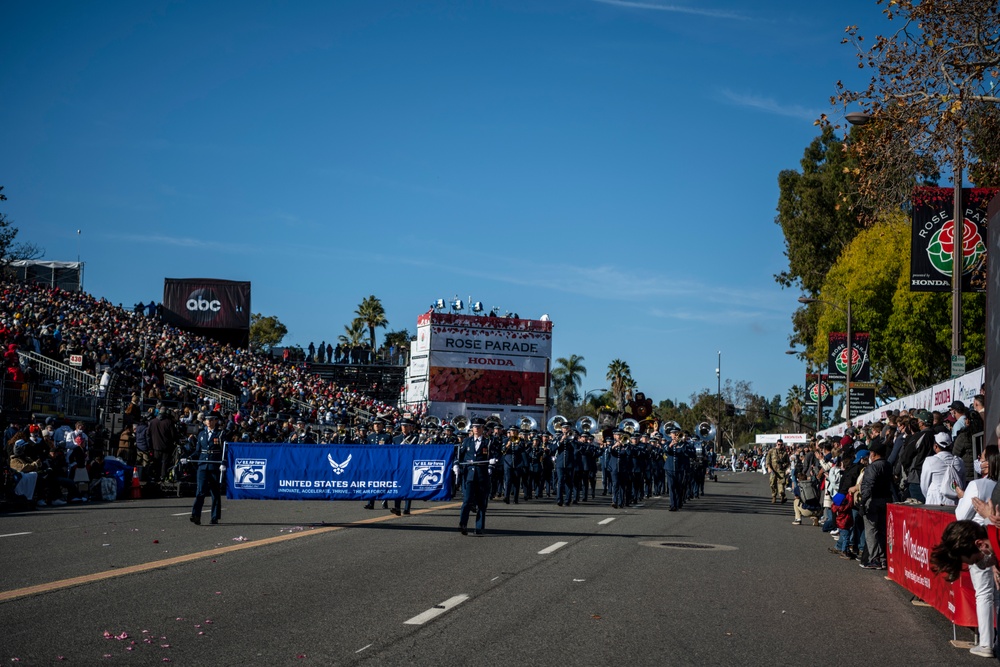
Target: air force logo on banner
x,y
250,473
427,475
339,468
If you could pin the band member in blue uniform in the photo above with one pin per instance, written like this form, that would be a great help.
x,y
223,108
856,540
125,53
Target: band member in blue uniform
x,y
512,455
673,467
408,436
379,436
208,452
473,470
565,454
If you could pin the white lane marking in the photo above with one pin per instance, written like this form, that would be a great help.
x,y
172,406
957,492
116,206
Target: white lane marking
x,y
181,514
14,534
363,648
494,579
554,547
437,610
606,521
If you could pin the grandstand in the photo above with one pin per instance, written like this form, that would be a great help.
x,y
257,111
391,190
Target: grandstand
x,y
79,357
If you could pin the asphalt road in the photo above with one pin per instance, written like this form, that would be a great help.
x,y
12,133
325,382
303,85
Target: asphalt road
x,y
294,583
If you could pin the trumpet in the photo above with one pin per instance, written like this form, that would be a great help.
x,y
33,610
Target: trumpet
x,y
555,424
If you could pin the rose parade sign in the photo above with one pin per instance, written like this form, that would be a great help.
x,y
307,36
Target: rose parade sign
x,y
933,239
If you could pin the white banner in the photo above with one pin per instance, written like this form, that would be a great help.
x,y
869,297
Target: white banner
x,y
487,361
938,398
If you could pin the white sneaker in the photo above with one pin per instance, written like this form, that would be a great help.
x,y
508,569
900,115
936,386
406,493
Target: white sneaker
x,y
41,503
58,503
797,522
835,532
982,651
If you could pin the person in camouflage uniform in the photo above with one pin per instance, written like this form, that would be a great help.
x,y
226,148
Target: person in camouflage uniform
x,y
777,463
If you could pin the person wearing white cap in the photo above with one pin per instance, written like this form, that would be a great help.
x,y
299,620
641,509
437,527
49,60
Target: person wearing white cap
x,y
942,473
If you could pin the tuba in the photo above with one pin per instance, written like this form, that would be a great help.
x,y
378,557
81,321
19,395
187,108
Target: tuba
x,y
705,431
493,421
432,422
527,423
587,424
555,424
666,427
461,423
629,425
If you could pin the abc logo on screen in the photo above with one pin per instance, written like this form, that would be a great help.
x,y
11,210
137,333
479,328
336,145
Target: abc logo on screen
x,y
202,306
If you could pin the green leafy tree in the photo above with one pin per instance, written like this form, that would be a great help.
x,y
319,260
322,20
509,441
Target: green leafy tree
x,y
266,332
818,220
372,314
910,342
354,333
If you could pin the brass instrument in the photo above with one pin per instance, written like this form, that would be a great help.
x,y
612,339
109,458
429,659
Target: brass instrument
x,y
587,424
461,423
667,427
705,431
629,425
555,424
526,423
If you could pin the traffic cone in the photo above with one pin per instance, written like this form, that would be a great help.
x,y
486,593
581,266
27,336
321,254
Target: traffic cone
x,y
136,488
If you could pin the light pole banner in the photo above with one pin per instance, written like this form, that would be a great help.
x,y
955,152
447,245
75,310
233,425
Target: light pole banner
x,y
338,472
818,390
932,240
861,370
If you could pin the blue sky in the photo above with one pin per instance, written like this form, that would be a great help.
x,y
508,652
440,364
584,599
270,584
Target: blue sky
x,y
611,163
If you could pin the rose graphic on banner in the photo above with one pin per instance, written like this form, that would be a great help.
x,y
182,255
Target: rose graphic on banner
x,y
941,247
855,361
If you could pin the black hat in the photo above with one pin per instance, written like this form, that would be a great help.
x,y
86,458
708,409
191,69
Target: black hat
x,y
406,421
957,405
213,415
477,421
449,427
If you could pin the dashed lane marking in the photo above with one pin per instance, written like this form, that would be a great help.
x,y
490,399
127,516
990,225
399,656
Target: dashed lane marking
x,y
554,547
606,521
15,534
437,610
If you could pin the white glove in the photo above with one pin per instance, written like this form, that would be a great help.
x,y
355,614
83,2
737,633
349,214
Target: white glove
x,y
493,462
454,470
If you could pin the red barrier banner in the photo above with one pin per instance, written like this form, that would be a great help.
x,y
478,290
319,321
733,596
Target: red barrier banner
x,y
912,531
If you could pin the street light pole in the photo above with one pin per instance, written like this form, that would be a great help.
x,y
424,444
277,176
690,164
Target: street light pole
x,y
718,395
957,254
848,375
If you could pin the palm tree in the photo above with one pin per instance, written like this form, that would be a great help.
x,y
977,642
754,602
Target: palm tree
x,y
569,374
372,314
622,384
794,400
354,332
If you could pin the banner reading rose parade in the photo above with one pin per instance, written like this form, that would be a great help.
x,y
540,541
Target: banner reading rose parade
x,y
818,390
932,240
860,363
480,366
